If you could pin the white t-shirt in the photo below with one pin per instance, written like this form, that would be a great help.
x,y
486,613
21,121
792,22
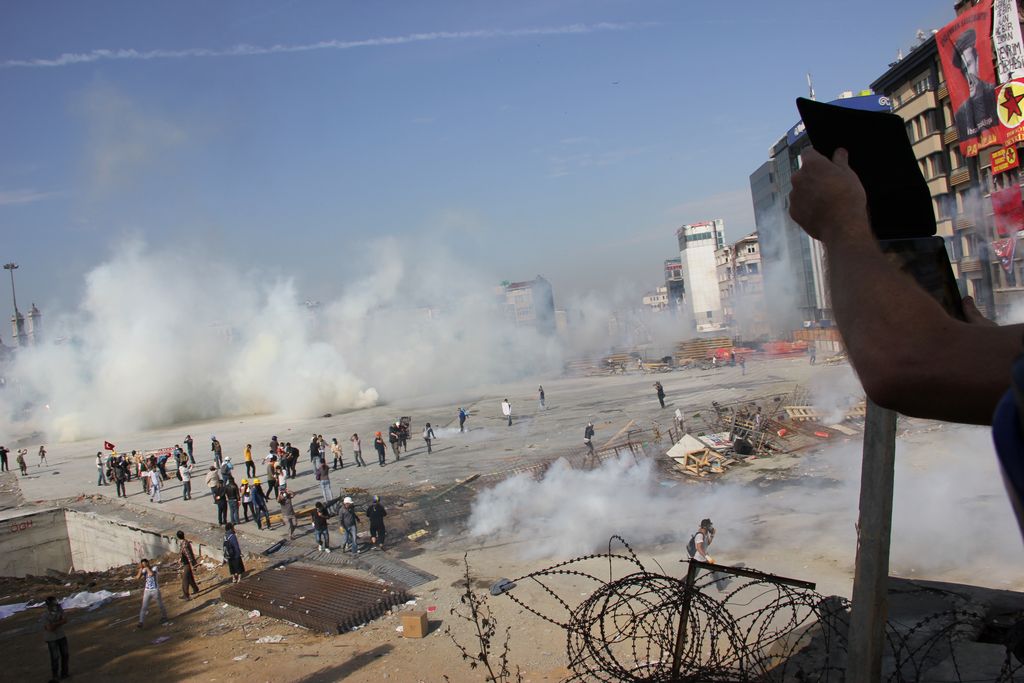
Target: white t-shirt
x,y
186,473
506,408
698,541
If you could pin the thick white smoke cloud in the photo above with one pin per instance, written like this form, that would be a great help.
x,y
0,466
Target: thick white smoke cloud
x,y
164,337
951,516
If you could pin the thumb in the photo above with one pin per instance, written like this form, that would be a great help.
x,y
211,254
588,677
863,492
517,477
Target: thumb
x,y
841,158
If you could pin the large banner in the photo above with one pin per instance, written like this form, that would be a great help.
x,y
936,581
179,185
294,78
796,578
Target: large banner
x,y
1006,40
965,48
1004,251
1009,211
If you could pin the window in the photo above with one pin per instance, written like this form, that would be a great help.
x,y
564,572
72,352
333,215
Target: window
x,y
946,206
910,131
936,167
923,85
752,268
956,159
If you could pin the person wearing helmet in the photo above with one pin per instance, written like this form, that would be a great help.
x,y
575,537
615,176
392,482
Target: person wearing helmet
x,y
349,523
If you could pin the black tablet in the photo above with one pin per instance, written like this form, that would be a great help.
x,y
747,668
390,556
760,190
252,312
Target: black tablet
x,y
899,202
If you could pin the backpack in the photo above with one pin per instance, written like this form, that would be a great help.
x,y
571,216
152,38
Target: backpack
x,y
691,547
228,551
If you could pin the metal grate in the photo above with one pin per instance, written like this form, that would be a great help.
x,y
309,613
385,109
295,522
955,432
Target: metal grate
x,y
318,599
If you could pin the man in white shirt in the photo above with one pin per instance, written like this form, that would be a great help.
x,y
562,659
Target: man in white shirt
x,y
699,543
506,410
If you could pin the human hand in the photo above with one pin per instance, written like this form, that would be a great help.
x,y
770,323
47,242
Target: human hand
x,y
828,200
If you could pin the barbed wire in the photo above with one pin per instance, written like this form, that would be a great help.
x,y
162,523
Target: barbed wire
x,y
755,627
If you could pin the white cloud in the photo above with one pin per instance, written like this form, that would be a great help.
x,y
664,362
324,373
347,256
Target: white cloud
x,y
23,196
244,50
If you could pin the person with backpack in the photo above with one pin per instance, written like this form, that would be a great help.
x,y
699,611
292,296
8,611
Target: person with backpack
x,y
349,523
233,553
428,436
323,534
701,540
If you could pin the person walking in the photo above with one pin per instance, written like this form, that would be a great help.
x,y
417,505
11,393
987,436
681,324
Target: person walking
x,y
53,621
743,364
506,410
323,534
233,495
250,466
22,465
233,553
42,456
336,452
155,484
314,451
680,422
428,436
101,478
349,524
323,475
378,443
188,447
393,437
150,591
462,420
697,548
120,477
812,352
259,504
540,394
660,391
272,488
288,513
188,566
185,474
376,513
357,450
218,452
3,459
226,468
588,437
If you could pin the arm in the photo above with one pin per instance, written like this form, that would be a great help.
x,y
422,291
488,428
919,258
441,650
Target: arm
x,y
910,355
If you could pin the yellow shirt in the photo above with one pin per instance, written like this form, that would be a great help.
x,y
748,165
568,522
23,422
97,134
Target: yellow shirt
x,y
248,455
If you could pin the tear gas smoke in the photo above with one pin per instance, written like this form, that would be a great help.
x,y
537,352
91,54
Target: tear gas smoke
x,y
162,337
951,516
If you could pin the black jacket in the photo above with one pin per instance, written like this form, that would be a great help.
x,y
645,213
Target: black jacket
x,y
376,514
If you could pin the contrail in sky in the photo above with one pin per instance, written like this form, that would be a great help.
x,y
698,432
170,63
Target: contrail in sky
x,y
243,50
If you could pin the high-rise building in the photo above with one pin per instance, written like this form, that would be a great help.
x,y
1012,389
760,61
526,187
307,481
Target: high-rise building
x,y
796,292
697,245
530,303
674,284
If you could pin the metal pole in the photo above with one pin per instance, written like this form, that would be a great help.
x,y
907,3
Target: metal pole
x,y
684,616
10,268
869,611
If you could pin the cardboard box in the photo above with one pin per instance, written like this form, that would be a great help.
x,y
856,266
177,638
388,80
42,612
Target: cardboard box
x,y
414,624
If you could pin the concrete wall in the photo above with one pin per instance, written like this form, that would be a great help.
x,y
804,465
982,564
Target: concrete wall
x,y
98,543
32,542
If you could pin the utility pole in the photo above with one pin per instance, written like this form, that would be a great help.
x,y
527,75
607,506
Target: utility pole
x,y
19,322
11,267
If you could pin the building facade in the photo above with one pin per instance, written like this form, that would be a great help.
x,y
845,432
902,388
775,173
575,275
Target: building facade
x,y
530,304
741,289
657,300
698,243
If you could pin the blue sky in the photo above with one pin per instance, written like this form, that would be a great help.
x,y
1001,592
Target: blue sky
x,y
565,138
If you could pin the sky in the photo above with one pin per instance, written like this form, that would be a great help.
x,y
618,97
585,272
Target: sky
x,y
566,138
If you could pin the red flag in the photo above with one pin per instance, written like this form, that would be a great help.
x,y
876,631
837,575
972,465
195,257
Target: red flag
x,y
1004,250
1009,211
107,446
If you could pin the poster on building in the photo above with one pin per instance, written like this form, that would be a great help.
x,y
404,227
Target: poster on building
x,y
1010,110
1004,252
1008,211
965,49
1006,40
1005,159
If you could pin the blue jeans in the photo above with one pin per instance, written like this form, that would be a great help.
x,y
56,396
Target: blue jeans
x,y
323,537
233,509
101,479
325,487
260,510
350,539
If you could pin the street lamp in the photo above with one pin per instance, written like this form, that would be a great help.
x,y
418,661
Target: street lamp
x,y
12,267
